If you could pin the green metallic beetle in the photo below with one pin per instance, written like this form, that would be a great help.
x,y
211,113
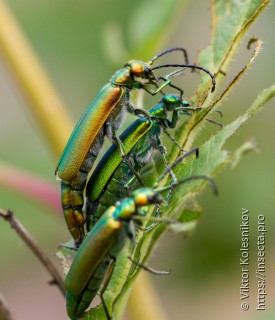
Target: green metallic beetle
x,y
95,260
112,177
103,117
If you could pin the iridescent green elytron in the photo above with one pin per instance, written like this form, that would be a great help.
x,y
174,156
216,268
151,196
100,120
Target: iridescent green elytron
x,y
112,177
102,117
95,259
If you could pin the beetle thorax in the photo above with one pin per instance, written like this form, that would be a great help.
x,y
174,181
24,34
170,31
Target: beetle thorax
x,y
135,74
126,209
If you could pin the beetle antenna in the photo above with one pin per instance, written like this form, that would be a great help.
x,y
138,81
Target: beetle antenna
x,y
168,51
175,184
179,159
193,66
176,72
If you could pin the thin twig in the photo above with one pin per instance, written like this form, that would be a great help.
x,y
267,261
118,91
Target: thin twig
x,y
34,246
5,313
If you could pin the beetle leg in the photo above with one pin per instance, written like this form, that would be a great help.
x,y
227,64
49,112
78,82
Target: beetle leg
x,y
149,269
105,285
121,148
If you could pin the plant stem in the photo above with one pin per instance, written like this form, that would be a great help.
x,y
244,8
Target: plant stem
x,y
44,101
143,302
5,313
34,246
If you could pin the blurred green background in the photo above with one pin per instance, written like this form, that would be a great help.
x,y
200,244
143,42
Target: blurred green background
x,y
71,39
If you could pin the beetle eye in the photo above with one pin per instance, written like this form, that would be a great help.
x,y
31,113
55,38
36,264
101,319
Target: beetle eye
x,y
148,73
167,98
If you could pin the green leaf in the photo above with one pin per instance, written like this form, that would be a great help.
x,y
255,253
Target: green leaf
x,y
186,228
230,21
98,313
192,210
212,157
66,253
247,147
187,133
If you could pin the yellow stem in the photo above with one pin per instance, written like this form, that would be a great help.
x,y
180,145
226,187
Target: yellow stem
x,y
44,102
143,302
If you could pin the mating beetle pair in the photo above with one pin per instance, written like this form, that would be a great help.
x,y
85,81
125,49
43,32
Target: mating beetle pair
x,y
103,117
122,163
